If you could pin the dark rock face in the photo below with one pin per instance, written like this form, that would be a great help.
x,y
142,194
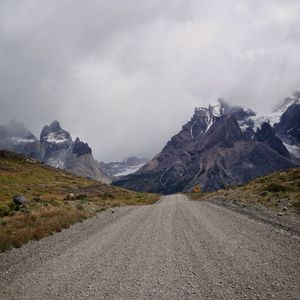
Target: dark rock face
x,y
80,148
289,126
268,136
54,140
212,150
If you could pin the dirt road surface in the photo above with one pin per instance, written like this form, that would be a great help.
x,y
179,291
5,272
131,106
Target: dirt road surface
x,y
174,249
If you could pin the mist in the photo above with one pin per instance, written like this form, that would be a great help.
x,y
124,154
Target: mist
x,y
124,76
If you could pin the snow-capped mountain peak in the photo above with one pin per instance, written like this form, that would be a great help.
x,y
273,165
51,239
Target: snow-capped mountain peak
x,y
215,108
54,134
294,98
274,117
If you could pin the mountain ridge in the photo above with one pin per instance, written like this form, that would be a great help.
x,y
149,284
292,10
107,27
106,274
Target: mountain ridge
x,y
221,145
55,147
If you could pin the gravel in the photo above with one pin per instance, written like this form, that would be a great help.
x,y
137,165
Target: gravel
x,y
175,249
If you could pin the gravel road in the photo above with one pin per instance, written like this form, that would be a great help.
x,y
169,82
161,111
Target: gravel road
x,y
174,249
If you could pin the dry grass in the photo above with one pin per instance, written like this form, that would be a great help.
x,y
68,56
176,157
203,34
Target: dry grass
x,y
36,224
276,190
46,190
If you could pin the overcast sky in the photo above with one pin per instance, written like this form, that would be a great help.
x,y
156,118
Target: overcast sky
x,y
125,75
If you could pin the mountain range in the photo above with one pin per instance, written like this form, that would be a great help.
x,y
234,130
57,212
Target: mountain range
x,y
55,147
223,145
122,168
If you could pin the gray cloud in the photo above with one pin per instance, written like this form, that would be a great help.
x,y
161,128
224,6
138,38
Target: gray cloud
x,y
125,75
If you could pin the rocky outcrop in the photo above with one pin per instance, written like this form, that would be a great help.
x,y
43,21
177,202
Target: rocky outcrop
x,y
55,145
19,200
80,148
289,126
266,134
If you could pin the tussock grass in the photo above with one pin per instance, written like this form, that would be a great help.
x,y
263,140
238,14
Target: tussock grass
x,y
50,207
276,190
36,224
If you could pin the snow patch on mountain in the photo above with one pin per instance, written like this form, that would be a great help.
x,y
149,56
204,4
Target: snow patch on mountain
x,y
56,138
295,150
215,108
192,135
210,123
274,117
129,170
243,126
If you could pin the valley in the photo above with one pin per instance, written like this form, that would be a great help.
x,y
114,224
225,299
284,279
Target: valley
x,y
150,150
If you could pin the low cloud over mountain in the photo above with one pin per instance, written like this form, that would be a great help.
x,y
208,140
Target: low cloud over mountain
x,y
120,72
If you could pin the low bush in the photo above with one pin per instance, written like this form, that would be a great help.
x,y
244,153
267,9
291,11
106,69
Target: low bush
x,y
275,188
4,210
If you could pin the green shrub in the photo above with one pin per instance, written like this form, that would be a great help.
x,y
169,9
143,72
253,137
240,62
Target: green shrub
x,y
4,210
275,188
107,196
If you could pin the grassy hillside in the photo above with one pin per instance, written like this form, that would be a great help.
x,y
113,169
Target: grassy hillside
x,y
276,191
55,199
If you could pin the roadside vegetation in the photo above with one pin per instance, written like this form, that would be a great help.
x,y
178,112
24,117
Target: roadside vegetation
x,y
55,199
278,191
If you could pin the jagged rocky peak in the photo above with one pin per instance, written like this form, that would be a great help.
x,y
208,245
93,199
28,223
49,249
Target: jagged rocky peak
x,y
221,107
205,117
288,128
266,134
80,148
202,119
55,148
214,110
17,131
54,134
275,116
239,112
216,148
224,133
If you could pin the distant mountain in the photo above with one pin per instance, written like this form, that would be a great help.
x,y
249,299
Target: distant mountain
x,y
222,145
16,137
288,127
122,168
55,148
